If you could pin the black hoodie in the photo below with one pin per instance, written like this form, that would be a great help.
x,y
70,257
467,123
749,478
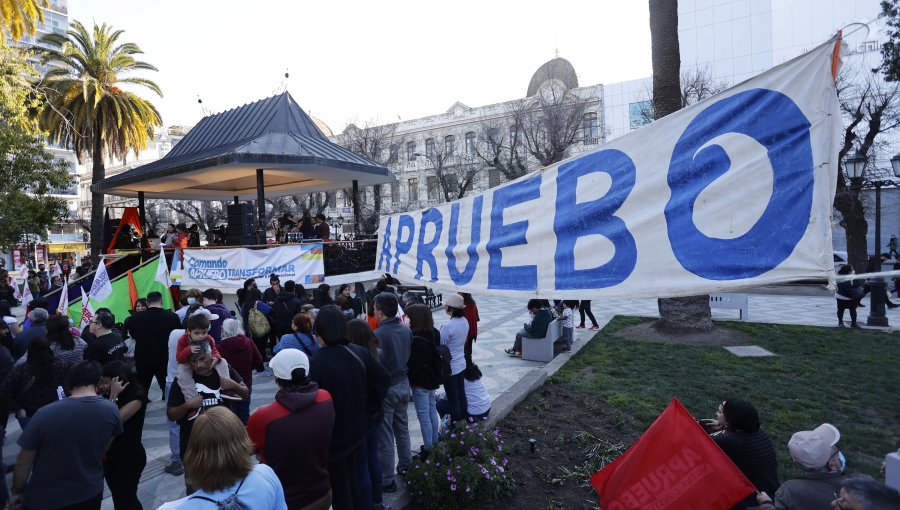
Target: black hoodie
x,y
286,306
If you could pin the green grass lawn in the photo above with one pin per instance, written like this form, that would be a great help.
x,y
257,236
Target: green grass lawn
x,y
848,378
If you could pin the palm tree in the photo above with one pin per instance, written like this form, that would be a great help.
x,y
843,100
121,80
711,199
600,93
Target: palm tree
x,y
688,313
88,111
19,17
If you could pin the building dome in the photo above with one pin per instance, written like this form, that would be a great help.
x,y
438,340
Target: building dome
x,y
322,127
558,69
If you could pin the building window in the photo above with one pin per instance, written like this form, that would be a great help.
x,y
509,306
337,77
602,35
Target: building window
x,y
495,177
414,190
470,143
432,183
429,147
494,137
331,199
449,145
395,192
640,113
410,151
395,153
589,131
513,135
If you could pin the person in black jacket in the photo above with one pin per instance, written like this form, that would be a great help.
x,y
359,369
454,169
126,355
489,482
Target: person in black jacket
x,y
357,384
848,294
270,295
150,330
425,340
286,306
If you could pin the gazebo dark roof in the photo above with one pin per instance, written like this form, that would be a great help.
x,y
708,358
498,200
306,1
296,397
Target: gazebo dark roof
x,y
219,157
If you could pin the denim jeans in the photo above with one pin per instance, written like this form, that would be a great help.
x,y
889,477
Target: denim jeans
x,y
368,469
427,413
395,430
455,389
242,408
174,432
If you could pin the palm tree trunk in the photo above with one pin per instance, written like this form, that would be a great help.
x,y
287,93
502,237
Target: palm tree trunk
x,y
98,173
689,313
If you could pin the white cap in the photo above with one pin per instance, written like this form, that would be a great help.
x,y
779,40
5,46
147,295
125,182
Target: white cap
x,y
10,320
286,361
203,311
454,301
812,448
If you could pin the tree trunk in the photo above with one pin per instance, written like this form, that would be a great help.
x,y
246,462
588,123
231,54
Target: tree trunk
x,y
98,173
376,194
689,313
856,227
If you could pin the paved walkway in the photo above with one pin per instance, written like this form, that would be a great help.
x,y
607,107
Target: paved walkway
x,y
501,318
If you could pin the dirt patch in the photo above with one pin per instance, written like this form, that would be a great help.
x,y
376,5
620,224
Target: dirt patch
x,y
715,337
575,432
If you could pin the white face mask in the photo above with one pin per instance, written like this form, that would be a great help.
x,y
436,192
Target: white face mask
x,y
192,300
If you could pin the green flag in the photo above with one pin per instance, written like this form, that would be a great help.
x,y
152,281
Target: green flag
x,y
119,302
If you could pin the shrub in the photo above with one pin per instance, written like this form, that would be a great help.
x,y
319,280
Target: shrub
x,y
466,467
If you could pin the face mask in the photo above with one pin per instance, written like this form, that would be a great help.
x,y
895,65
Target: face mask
x,y
192,301
843,461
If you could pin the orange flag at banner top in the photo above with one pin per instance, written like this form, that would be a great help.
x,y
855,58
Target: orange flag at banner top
x,y
674,465
132,290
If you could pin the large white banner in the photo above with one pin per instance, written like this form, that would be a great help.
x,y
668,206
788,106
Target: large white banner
x,y
734,191
227,269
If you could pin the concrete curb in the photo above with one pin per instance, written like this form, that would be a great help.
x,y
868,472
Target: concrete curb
x,y
509,399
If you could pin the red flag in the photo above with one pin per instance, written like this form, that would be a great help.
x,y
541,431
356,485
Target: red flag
x,y
132,290
675,464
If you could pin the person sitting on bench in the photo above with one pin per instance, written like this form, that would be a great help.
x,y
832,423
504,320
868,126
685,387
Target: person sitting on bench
x,y
535,328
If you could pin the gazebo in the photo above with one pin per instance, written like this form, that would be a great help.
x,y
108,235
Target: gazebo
x,y
269,147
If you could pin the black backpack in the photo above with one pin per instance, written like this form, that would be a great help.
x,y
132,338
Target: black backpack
x,y
436,369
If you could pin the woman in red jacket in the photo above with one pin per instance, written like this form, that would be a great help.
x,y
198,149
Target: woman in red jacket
x,y
241,354
471,313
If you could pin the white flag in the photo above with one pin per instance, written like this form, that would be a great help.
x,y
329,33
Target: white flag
x,y
55,271
15,287
27,297
63,308
87,311
162,269
101,289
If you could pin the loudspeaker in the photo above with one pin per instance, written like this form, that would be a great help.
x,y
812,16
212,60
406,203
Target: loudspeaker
x,y
241,228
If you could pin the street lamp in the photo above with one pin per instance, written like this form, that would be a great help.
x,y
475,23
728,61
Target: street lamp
x,y
856,164
895,165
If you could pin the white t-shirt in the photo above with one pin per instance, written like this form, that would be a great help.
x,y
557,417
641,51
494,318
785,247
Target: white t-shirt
x,y
567,321
172,368
453,335
477,397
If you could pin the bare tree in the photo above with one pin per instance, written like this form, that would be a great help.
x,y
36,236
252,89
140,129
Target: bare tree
x,y
870,108
502,148
697,83
454,173
551,124
379,143
207,215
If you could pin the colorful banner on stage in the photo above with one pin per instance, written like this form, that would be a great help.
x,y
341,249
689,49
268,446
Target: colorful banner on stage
x,y
734,191
227,269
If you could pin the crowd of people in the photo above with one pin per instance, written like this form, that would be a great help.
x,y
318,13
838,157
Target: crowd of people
x,y
346,363
824,483
336,435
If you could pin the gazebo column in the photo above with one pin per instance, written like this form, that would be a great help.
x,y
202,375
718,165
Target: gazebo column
x,y
261,206
355,206
142,213
237,200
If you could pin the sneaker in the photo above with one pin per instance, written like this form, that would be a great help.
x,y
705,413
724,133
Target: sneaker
x,y
174,468
389,488
580,326
566,349
841,325
594,328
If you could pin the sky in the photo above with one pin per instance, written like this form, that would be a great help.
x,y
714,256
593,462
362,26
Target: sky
x,y
365,62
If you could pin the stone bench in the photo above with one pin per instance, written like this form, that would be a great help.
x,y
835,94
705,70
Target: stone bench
x,y
731,302
541,349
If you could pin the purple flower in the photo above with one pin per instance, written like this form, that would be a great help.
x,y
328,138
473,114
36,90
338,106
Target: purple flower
x,y
452,486
468,489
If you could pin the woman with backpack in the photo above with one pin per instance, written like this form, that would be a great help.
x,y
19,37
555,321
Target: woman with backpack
x,y
255,314
217,463
422,376
301,337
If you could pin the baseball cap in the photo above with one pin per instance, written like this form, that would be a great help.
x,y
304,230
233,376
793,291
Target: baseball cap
x,y
286,361
10,320
454,301
812,448
203,311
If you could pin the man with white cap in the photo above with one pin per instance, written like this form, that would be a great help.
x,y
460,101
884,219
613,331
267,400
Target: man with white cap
x,y
814,451
293,434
